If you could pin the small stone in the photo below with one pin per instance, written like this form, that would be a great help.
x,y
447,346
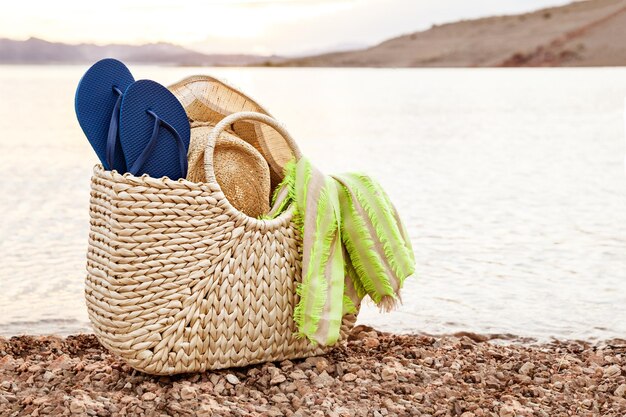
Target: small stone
x,y
349,377
526,368
322,380
273,412
188,393
148,396
388,374
273,371
507,411
34,369
8,363
127,399
467,343
176,407
278,379
40,400
286,365
63,362
219,388
596,373
298,374
95,367
204,411
8,398
232,379
280,398
77,406
620,391
612,371
303,387
492,382
321,365
291,387
371,342
98,376
47,376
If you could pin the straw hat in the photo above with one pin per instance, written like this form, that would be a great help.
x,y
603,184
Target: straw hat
x,y
208,100
240,170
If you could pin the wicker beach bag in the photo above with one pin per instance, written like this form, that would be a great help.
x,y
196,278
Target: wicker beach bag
x,y
180,281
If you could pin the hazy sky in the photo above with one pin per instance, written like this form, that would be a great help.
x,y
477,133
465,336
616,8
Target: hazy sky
x,y
251,26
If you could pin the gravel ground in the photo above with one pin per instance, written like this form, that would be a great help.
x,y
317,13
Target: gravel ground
x,y
375,374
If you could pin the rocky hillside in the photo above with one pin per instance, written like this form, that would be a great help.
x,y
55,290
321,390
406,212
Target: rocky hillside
x,y
585,33
38,51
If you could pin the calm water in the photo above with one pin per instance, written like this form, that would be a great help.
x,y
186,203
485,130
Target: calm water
x,y
511,183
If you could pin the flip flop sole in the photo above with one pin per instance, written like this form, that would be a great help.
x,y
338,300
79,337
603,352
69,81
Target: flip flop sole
x,y
142,100
94,102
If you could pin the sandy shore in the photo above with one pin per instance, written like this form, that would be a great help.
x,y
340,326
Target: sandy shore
x,y
375,374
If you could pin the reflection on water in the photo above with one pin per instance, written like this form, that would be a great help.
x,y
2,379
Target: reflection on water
x,y
510,181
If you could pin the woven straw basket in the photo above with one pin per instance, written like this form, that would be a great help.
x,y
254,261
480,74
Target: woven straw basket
x,y
180,281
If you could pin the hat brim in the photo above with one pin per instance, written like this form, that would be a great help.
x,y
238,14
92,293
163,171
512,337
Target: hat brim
x,y
209,100
240,170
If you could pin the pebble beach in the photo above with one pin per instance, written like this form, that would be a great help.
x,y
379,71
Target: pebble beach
x,y
373,374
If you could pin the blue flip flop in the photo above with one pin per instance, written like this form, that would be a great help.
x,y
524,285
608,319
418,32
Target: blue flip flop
x,y
154,131
97,104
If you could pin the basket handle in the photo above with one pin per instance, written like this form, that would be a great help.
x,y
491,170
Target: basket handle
x,y
236,117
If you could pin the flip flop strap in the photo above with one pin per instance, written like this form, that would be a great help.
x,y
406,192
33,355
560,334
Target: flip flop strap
x,y
113,125
143,157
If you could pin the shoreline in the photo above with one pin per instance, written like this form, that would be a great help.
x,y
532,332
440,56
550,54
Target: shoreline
x,y
374,373
505,339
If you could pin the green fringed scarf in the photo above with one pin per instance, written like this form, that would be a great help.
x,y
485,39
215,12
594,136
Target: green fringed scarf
x,y
354,245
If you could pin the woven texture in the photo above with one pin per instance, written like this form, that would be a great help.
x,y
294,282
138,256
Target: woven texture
x,y
240,170
180,281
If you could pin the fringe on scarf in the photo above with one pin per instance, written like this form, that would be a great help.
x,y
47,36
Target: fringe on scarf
x,y
375,258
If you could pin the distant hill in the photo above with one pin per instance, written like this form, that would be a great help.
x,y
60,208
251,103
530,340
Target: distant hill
x,y
585,33
38,51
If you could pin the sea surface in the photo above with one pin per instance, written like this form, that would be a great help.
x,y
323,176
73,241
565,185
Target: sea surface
x,y
511,183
